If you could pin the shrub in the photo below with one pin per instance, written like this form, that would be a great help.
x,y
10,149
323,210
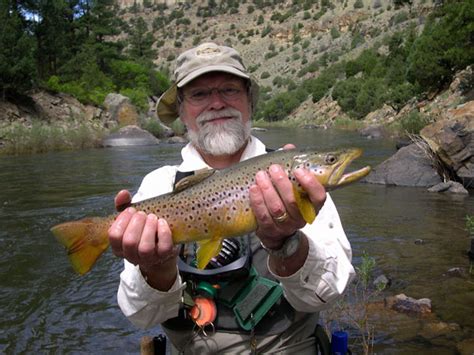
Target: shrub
x,y
414,122
265,75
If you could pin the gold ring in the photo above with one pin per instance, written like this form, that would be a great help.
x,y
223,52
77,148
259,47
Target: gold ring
x,y
282,218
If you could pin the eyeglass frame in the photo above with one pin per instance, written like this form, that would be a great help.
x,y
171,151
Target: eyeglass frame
x,y
182,97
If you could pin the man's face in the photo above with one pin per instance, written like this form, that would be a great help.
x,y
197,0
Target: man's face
x,y
216,110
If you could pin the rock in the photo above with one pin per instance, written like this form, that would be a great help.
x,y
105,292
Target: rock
x,y
372,132
456,272
259,129
130,136
434,329
381,282
408,167
177,140
386,114
121,110
463,81
419,241
408,305
450,186
452,139
466,347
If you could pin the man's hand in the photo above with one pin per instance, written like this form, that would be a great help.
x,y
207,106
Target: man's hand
x,y
146,241
278,216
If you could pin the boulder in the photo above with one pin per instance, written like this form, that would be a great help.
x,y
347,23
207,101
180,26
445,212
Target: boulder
x,y
409,166
408,305
452,139
130,136
449,186
372,132
121,110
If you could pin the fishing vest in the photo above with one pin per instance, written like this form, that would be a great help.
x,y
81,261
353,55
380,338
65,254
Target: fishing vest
x,y
277,318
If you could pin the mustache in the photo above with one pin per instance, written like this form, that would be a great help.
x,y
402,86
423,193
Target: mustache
x,y
210,115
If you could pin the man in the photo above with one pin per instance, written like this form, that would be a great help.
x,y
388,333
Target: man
x,y
214,97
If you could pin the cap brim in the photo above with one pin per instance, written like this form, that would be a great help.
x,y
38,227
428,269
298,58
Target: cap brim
x,y
166,108
219,68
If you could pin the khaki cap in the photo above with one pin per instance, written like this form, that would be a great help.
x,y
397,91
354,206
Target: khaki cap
x,y
205,58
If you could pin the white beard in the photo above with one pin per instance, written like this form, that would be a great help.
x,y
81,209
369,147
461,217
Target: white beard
x,y
220,139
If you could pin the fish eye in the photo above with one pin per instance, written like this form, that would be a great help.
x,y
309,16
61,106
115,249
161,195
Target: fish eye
x,y
330,159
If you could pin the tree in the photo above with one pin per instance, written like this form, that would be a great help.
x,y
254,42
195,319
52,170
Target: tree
x,y
17,65
445,46
140,40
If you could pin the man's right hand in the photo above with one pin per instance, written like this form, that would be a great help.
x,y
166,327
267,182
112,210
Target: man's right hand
x,y
146,241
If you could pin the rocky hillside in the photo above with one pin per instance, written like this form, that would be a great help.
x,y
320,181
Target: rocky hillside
x,y
278,38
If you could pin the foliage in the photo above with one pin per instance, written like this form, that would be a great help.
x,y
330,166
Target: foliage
x,y
470,224
353,309
17,64
42,137
445,46
414,122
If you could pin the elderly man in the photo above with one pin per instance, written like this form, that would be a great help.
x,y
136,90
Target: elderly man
x,y
214,97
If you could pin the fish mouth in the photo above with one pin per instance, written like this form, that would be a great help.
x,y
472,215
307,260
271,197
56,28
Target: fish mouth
x,y
338,178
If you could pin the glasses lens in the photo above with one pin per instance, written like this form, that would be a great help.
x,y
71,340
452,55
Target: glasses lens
x,y
200,96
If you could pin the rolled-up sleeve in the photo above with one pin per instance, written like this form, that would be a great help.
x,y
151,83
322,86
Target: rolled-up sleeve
x,y
327,270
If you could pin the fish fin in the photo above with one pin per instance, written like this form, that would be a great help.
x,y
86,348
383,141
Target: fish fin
x,y
85,241
207,250
199,175
305,206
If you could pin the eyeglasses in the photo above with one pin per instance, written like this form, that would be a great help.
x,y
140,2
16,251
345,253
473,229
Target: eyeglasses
x,y
201,96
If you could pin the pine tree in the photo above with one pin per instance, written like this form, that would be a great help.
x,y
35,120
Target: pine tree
x,y
17,66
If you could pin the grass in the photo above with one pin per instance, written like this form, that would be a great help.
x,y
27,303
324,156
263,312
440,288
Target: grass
x,y
41,137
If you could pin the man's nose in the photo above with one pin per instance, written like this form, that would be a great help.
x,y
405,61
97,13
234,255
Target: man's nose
x,y
216,100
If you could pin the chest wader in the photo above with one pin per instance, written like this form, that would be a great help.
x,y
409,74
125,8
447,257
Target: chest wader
x,y
247,298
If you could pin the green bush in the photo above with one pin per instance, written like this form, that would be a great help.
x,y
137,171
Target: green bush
x,y
414,122
265,75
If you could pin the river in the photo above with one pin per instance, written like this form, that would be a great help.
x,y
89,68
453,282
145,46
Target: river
x,y
46,308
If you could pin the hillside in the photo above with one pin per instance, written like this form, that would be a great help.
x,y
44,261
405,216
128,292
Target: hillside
x,y
280,39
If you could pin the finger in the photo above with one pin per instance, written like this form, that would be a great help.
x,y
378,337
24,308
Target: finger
x,y
289,146
272,199
165,241
122,200
316,191
117,229
132,236
259,208
284,188
148,241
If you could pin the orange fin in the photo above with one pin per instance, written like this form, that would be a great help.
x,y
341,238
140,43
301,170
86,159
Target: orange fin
x,y
85,241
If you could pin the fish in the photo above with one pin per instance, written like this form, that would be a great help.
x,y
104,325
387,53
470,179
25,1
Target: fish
x,y
212,205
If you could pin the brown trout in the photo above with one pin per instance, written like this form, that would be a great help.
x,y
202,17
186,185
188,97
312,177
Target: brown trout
x,y
213,204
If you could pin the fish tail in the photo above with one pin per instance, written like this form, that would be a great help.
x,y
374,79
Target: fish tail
x,y
85,241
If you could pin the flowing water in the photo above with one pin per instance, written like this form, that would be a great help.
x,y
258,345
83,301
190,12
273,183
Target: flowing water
x,y
414,236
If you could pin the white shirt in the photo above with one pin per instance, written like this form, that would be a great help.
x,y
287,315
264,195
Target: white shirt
x,y
323,277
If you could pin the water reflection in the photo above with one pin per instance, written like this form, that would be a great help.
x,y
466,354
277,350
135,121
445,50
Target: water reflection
x,y
45,307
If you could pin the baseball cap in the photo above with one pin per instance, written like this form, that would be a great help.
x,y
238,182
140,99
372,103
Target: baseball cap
x,y
205,58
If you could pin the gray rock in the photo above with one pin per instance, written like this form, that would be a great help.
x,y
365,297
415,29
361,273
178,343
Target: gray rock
x,y
177,140
407,167
130,136
381,282
449,186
